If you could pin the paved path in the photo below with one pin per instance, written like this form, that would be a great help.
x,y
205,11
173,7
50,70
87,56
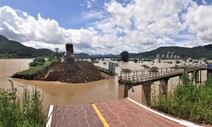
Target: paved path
x,y
75,116
117,113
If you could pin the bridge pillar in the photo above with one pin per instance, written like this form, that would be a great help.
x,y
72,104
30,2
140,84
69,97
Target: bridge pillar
x,y
200,76
146,93
123,90
164,86
180,79
196,76
209,73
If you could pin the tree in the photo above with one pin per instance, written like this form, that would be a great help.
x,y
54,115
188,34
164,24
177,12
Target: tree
x,y
124,56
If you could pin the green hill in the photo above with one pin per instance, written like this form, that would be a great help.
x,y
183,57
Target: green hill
x,y
14,49
195,52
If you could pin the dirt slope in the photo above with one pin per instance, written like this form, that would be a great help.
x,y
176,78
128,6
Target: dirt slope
x,y
78,72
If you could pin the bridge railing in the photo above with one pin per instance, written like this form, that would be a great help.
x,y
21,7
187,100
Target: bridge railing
x,y
194,66
146,74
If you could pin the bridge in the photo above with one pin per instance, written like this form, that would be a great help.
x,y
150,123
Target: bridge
x,y
125,112
146,77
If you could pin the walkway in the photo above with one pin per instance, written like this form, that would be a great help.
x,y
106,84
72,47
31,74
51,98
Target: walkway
x,y
117,113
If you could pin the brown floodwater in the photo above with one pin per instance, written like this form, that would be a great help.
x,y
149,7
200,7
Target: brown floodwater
x,y
58,93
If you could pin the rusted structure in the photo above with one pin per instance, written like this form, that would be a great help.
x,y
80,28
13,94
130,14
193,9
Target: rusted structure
x,y
69,53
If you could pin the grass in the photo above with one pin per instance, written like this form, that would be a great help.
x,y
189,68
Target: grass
x,y
104,70
34,70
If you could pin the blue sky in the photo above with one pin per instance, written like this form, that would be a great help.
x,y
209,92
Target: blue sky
x,y
67,12
107,24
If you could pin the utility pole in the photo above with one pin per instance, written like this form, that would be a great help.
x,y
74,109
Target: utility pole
x,y
57,49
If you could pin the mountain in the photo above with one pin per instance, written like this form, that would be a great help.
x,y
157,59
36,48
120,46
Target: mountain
x,y
84,55
14,49
195,52
209,47
104,56
81,55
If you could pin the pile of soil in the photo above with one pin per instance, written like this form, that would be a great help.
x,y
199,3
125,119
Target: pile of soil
x,y
77,72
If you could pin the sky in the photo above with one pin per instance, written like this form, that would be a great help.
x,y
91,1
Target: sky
x,y
107,26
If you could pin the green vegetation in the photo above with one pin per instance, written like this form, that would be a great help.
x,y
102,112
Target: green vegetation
x,y
35,69
104,70
124,56
145,66
126,70
169,62
93,60
14,49
176,67
135,60
37,61
28,113
153,69
177,62
188,101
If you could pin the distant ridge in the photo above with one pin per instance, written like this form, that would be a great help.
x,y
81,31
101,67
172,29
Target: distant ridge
x,y
209,47
14,49
195,52
84,55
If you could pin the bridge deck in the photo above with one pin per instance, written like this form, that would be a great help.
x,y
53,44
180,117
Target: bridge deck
x,y
117,113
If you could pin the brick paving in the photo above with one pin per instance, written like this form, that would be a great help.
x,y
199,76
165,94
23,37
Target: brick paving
x,y
75,116
128,114
117,113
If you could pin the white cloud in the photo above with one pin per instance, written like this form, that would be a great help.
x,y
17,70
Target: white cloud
x,y
199,21
136,26
89,3
40,32
93,15
146,24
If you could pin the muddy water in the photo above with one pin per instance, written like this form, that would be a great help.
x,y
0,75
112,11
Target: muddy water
x,y
67,93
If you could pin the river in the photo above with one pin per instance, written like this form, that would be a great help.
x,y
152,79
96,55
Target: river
x,y
57,93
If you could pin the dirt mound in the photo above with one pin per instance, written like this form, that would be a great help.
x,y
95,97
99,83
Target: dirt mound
x,y
78,72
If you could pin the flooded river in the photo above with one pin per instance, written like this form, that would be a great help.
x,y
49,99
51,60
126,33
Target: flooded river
x,y
67,93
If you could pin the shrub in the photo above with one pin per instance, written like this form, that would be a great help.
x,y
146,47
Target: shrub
x,y
93,60
153,69
176,67
37,62
169,62
189,101
126,70
177,62
13,113
145,66
135,60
